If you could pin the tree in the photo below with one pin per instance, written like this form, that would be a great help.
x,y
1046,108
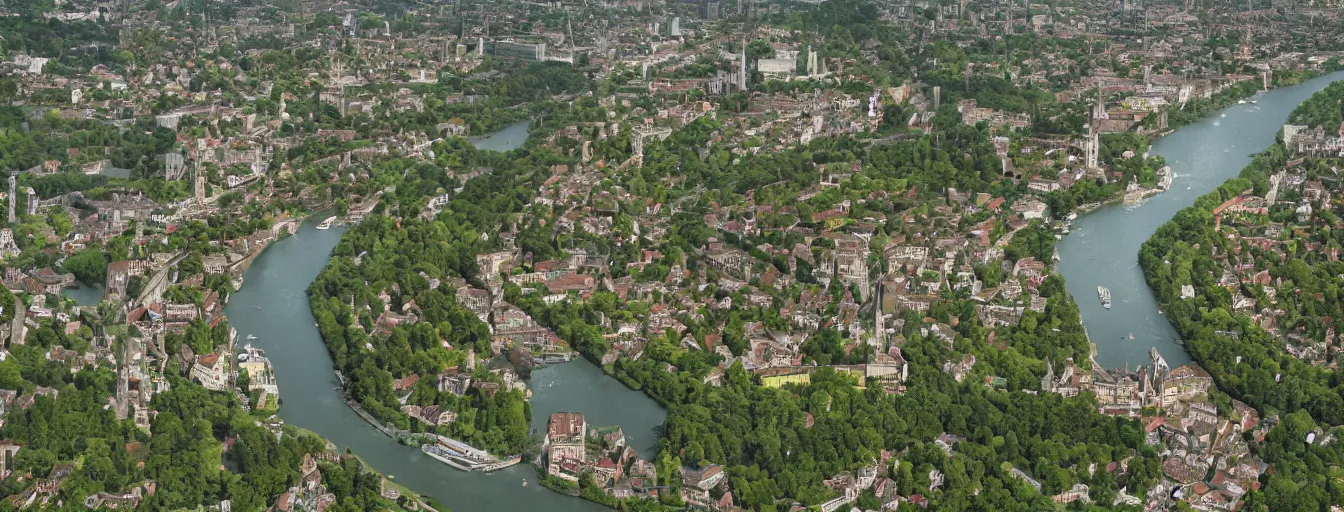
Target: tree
x,y
88,265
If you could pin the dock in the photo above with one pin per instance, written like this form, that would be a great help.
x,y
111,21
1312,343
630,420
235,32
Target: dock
x,y
386,430
465,457
502,464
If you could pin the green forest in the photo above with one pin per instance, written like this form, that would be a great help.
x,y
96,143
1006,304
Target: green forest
x,y
183,453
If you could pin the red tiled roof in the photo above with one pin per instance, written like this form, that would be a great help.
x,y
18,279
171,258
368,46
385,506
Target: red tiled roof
x,y
1155,424
405,382
566,424
208,359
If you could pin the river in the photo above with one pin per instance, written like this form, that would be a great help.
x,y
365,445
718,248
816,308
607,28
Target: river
x,y
273,306
508,138
1101,250
85,295
1103,247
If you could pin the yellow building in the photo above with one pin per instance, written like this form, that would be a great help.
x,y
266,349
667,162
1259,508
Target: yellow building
x,y
858,371
778,381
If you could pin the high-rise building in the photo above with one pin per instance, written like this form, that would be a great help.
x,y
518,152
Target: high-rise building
x,y
199,189
742,68
713,8
13,197
520,51
32,201
676,26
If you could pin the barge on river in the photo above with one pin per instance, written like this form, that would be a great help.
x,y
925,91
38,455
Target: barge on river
x,y
1105,296
466,457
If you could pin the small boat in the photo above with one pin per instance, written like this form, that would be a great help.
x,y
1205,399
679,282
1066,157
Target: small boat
x,y
1105,296
251,337
1131,335
524,482
326,224
1241,102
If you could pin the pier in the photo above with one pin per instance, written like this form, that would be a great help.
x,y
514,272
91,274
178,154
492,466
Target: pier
x,y
466,457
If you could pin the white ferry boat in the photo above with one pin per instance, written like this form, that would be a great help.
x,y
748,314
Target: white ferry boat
x,y
1105,296
326,224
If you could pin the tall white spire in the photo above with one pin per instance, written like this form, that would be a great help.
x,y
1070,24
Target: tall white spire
x,y
13,197
742,67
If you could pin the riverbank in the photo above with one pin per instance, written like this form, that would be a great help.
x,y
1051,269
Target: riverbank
x,y
1237,94
1202,108
449,451
286,228
389,480
1103,245
1207,107
1270,350
1204,320
290,266
1216,225
1210,107
274,307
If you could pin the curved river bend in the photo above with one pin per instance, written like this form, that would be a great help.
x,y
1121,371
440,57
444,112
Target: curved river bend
x,y
1103,247
1101,250
273,306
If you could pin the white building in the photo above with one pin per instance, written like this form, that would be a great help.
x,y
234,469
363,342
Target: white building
x,y
209,371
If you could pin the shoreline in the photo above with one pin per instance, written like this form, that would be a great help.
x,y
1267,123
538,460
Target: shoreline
x,y
294,224
422,500
401,437
1154,136
1150,277
1226,103
1081,210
